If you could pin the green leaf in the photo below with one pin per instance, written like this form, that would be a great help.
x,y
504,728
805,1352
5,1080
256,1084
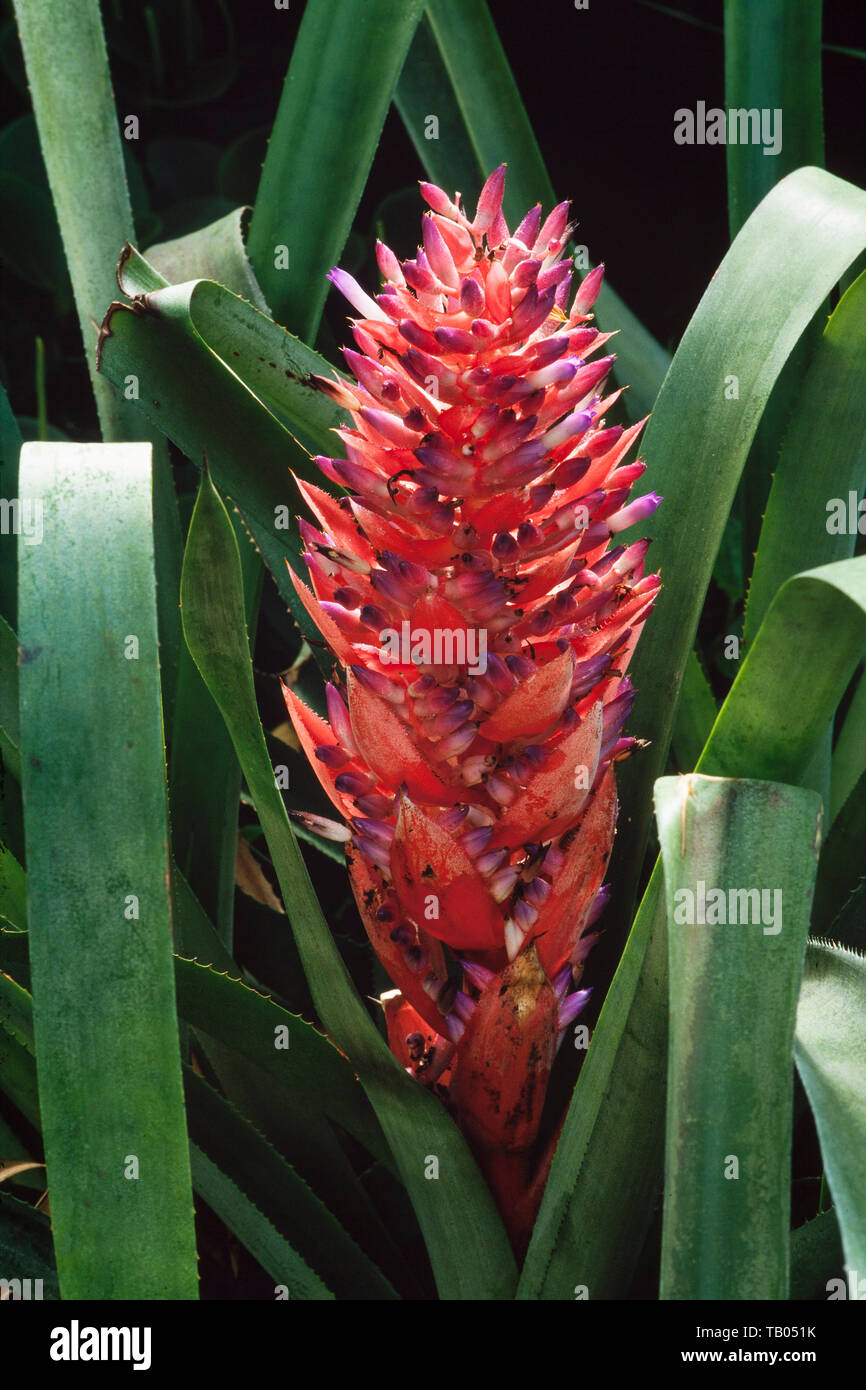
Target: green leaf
x,y
782,265
78,131
425,90
277,1191
216,252
11,821
310,1067
13,1151
276,366
16,1012
849,755
73,101
25,1247
696,715
797,533
98,901
468,1248
829,1051
30,242
231,360
205,777
730,1088
10,444
284,1092
255,1231
18,1076
831,598
17,1052
816,1257
849,927
772,63
14,957
13,890
607,1167
838,910
10,736
287,1093
500,130
344,67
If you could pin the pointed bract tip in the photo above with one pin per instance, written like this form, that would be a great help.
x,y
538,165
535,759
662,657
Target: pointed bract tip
x,y
572,1006
490,200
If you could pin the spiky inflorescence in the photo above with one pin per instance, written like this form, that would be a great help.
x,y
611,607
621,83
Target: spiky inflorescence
x,y
484,489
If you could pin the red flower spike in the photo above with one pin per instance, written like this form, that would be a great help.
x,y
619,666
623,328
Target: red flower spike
x,y
505,1056
388,748
474,592
535,704
554,795
409,954
425,1054
439,884
586,848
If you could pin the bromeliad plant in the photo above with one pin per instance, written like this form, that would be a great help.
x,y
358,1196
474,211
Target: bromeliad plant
x,y
477,780
441,1108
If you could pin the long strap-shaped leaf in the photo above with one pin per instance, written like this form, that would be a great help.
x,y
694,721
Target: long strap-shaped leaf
x,y
306,1064
211,997
288,1093
255,1231
204,772
696,715
10,737
840,892
607,1167
10,446
98,900
773,64
739,864
830,1050
433,119
777,709
13,890
25,1246
272,362
773,70
267,1189
234,364
70,84
782,265
498,129
73,101
345,64
803,527
465,1238
816,1256
17,1057
280,1193
849,755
